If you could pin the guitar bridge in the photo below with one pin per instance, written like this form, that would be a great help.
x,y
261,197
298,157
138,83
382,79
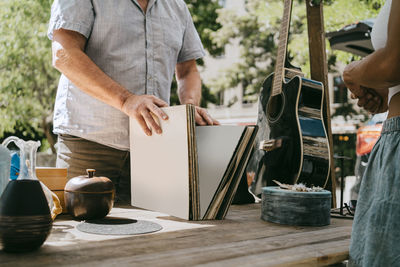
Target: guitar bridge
x,y
269,145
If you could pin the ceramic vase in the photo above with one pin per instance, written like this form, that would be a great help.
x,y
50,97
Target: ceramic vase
x,y
25,219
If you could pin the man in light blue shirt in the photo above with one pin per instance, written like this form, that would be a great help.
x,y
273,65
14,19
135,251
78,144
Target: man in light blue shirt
x,y
117,60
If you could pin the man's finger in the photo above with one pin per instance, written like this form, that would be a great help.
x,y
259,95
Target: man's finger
x,y
151,122
200,120
143,125
158,112
159,102
206,117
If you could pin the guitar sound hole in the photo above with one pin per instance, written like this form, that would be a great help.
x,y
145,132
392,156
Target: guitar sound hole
x,y
275,107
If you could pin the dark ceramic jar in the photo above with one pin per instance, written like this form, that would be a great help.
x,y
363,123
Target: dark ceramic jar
x,y
88,197
25,219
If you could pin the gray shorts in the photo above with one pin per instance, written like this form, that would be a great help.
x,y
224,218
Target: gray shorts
x,y
376,229
78,154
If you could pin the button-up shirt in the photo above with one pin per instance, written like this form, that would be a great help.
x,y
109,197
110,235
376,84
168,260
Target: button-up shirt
x,y
137,49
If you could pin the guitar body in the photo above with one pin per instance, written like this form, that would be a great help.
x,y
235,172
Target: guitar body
x,y
293,141
295,125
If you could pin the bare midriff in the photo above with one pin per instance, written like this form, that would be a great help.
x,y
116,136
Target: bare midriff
x,y
394,106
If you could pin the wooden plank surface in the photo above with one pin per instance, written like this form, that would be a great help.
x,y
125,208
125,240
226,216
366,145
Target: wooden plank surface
x,y
242,239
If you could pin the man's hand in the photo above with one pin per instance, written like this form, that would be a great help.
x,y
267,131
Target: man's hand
x,y
203,118
189,90
145,109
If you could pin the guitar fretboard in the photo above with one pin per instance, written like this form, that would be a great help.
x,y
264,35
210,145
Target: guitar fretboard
x,y
281,53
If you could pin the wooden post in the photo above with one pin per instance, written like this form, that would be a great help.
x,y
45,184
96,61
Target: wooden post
x,y
319,72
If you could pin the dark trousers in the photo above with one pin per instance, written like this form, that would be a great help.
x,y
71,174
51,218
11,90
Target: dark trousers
x,y
78,154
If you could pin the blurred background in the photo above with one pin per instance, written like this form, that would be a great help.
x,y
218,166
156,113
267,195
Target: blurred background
x,y
240,37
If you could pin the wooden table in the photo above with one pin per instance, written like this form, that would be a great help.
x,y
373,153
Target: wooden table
x,y
242,239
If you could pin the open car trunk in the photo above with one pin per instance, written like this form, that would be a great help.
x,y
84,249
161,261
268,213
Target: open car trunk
x,y
354,38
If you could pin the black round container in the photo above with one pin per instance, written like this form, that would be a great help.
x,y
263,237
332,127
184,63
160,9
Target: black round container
x,y
25,220
88,197
296,208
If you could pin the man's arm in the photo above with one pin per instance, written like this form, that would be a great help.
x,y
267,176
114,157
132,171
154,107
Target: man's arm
x,y
189,90
70,59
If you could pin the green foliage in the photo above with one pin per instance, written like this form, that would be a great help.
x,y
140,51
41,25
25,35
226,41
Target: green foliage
x,y
255,32
28,82
374,4
345,108
344,12
204,15
257,29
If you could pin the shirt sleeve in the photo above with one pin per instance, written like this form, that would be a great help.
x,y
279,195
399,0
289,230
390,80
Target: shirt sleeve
x,y
74,15
192,48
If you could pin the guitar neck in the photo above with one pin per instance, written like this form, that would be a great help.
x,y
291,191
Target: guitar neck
x,y
282,47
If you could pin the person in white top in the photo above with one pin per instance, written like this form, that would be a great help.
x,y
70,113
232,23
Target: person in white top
x,y
375,82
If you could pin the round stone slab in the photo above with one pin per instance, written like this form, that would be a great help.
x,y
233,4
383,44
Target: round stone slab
x,y
118,226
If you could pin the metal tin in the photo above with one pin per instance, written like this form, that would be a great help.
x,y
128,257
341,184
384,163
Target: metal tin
x,y
296,208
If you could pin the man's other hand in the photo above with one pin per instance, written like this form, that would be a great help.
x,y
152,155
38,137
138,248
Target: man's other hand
x,y
146,109
203,118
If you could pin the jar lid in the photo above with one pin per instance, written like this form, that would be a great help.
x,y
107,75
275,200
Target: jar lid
x,y
90,184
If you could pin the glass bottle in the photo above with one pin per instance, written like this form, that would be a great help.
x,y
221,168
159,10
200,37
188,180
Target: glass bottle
x,y
5,165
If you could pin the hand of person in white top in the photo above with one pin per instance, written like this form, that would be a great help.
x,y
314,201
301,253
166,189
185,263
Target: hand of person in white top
x,y
380,70
372,100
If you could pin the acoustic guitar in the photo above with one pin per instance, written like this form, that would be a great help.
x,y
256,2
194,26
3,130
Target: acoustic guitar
x,y
295,139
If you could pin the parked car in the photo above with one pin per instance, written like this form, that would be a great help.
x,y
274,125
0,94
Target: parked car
x,y
354,38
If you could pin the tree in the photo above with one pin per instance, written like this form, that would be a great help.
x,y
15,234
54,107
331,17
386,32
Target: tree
x,y
28,81
204,15
257,31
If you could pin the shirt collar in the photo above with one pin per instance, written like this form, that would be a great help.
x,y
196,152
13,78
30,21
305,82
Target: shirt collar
x,y
149,5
